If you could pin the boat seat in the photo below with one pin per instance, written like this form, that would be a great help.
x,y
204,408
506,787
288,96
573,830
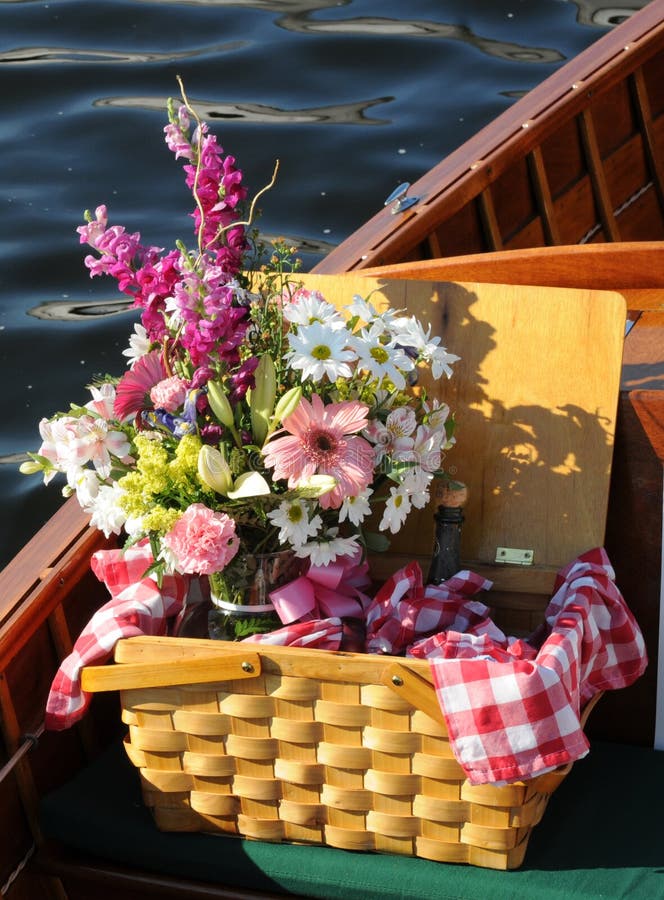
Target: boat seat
x,y
601,836
633,268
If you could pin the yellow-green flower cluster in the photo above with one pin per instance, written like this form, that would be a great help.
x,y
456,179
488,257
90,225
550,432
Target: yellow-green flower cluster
x,y
164,483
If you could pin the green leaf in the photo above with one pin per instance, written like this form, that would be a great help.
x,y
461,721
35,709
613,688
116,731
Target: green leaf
x,y
375,542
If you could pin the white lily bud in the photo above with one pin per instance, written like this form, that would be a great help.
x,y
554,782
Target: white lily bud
x,y
213,470
262,398
286,405
219,402
315,486
30,467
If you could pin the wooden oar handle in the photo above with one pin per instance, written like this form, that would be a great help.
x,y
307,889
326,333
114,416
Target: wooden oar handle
x,y
194,670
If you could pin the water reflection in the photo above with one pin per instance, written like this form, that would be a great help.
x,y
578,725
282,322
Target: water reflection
x,y
49,55
77,310
336,114
296,16
597,12
590,12
418,28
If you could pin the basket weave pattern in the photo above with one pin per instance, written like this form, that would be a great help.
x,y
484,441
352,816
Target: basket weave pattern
x,y
303,759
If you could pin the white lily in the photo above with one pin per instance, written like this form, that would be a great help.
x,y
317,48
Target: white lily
x,y
249,484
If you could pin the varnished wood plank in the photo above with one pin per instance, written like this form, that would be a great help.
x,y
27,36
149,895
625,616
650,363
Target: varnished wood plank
x,y
643,360
543,194
634,543
32,562
598,178
644,115
490,222
649,407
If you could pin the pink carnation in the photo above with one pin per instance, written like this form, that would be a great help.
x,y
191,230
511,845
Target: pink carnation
x,y
169,394
202,541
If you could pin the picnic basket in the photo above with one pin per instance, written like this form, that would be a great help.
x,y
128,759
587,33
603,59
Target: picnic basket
x,y
350,750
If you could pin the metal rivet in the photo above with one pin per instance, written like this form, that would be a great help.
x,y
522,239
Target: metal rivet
x,y
397,680
247,667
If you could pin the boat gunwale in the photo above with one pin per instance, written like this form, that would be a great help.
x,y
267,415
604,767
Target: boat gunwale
x,y
510,136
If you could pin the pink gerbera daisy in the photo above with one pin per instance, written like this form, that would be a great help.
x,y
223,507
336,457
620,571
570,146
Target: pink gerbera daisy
x,y
133,391
323,440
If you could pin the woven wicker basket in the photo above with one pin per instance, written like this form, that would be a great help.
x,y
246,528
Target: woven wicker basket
x,y
350,750
284,744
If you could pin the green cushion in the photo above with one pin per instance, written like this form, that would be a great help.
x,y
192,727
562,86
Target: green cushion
x,y
602,836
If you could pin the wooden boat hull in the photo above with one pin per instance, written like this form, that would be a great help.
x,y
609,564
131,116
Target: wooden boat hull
x,y
580,159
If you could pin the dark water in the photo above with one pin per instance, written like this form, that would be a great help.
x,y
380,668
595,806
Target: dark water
x,y
352,97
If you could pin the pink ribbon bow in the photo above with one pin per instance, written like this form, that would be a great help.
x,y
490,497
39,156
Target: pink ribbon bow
x,y
332,591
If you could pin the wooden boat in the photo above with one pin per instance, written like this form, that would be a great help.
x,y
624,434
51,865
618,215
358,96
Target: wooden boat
x,y
565,188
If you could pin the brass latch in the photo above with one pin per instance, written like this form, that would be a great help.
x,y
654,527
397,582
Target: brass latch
x,y
513,557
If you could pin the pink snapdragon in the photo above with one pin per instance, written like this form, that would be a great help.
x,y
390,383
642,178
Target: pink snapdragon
x,y
93,230
176,134
202,541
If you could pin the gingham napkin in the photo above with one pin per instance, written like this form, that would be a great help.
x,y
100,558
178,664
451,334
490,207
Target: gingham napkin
x,y
322,634
512,707
404,609
137,607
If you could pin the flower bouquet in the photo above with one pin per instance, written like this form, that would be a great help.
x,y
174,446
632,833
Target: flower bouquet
x,y
254,418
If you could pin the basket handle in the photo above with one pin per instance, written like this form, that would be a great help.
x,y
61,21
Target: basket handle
x,y
419,692
191,670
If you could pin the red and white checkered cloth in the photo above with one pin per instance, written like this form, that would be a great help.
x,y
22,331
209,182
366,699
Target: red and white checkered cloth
x,y
512,707
404,609
321,634
137,607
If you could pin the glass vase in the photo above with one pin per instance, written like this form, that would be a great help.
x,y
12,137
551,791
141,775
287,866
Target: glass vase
x,y
240,595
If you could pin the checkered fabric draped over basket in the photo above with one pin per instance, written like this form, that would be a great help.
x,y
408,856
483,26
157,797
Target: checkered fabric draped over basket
x,y
511,706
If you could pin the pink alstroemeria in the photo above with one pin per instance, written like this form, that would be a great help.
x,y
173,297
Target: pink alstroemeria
x,y
103,400
70,442
323,440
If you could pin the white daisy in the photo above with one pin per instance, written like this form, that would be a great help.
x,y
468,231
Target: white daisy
x,y
139,345
328,548
416,483
368,313
381,360
292,518
307,307
317,351
441,361
407,331
356,509
396,511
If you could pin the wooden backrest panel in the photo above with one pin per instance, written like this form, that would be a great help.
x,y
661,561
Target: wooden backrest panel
x,y
535,396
